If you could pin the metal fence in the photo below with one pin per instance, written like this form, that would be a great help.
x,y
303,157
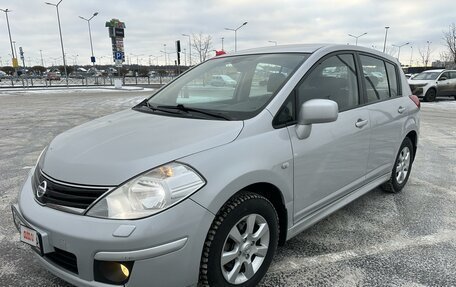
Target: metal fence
x,y
27,82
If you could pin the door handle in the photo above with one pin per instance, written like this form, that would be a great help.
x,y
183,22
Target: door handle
x,y
401,109
361,123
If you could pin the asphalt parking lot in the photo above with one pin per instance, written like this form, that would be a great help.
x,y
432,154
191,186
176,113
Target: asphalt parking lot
x,y
407,239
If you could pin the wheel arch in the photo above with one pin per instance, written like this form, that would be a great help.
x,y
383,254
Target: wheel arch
x,y
413,136
275,196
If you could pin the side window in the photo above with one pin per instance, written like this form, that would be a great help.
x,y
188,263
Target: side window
x,y
453,75
445,75
333,79
375,79
392,78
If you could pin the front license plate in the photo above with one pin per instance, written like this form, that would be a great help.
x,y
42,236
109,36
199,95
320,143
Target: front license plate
x,y
30,236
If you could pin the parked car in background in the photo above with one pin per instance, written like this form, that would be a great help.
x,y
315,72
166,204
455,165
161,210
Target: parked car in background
x,y
3,75
410,76
431,84
53,76
79,73
201,189
222,81
94,72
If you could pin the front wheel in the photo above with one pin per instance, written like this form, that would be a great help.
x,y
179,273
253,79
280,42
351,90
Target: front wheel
x,y
241,242
430,95
402,168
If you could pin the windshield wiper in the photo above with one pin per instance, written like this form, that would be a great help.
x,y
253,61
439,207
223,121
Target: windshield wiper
x,y
146,103
183,108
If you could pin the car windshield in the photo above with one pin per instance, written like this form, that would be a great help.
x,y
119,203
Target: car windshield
x,y
427,76
233,88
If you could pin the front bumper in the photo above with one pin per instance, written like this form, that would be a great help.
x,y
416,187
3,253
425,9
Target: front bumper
x,y
166,248
417,90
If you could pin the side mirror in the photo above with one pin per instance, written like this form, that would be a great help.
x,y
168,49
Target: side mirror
x,y
315,111
443,79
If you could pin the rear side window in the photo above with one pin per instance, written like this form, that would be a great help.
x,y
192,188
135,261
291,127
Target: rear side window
x,y
453,74
375,79
392,79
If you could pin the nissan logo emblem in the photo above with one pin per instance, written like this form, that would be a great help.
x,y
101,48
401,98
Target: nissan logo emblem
x,y
41,190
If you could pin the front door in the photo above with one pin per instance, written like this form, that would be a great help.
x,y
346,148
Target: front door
x,y
332,161
444,86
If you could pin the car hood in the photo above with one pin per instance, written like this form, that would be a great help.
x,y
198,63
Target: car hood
x,y
112,149
419,82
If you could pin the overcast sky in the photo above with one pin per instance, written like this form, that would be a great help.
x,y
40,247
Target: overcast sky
x,y
151,23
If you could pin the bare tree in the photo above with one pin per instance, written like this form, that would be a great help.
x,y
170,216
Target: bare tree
x,y
202,45
446,56
450,41
425,53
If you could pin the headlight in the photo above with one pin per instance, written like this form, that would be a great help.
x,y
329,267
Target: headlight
x,y
421,85
149,193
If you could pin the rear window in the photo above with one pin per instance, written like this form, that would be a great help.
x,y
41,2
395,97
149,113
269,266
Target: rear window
x,y
392,79
375,79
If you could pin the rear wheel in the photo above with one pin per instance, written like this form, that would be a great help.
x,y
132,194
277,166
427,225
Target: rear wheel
x,y
241,242
430,95
401,169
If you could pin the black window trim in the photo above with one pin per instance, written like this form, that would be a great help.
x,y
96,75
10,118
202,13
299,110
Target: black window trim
x,y
306,75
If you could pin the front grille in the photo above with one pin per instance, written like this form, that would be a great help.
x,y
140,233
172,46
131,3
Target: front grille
x,y
63,259
67,195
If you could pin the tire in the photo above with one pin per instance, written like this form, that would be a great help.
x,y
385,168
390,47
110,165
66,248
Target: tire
x,y
404,161
430,95
233,221
455,97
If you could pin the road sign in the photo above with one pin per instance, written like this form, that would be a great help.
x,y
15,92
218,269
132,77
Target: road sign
x,y
92,59
119,63
118,55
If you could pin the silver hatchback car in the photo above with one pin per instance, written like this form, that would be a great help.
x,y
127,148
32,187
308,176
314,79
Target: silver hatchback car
x,y
198,184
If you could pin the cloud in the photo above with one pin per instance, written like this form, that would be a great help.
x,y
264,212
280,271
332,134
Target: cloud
x,y
150,24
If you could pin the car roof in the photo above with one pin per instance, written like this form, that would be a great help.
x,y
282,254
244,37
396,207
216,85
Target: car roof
x,y
434,71
308,48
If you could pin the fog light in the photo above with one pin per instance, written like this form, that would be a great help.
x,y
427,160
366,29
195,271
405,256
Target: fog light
x,y
125,270
112,272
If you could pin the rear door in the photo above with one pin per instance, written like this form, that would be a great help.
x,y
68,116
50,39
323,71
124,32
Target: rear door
x,y
332,161
387,112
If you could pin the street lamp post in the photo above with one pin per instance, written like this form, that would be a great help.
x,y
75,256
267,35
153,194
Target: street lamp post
x,y
386,35
92,59
9,31
222,42
356,37
235,34
428,52
164,52
399,52
273,42
15,49
411,56
61,39
189,48
41,55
